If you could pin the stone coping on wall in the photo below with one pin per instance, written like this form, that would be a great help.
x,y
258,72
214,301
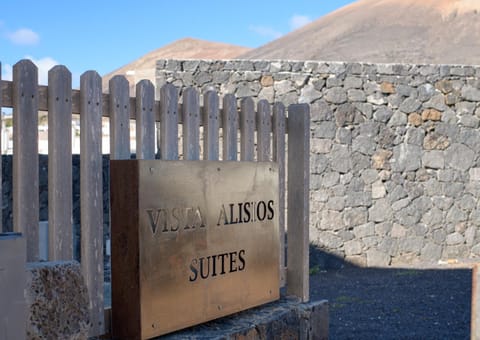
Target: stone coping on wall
x,y
171,66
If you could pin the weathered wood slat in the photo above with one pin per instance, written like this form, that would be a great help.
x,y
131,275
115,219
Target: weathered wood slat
x,y
279,157
298,200
60,235
168,122
247,129
191,124
230,127
145,124
119,118
210,126
91,194
25,154
264,128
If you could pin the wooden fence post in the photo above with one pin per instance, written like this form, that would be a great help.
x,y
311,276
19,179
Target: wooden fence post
x,y
25,155
279,157
264,128
191,124
169,122
210,126
60,233
145,120
119,118
230,127
298,200
247,129
91,195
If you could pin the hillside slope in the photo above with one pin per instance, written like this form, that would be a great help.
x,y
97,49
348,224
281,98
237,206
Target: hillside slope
x,y
386,31
188,48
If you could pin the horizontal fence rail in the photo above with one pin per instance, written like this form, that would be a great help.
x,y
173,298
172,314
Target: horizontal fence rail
x,y
6,88
222,128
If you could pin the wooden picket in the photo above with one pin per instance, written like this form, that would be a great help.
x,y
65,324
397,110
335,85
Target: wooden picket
x,y
119,118
210,126
145,118
169,122
91,194
60,238
25,154
191,125
278,146
230,127
247,129
263,129
298,200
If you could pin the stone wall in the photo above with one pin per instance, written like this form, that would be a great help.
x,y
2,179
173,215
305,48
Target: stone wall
x,y
395,150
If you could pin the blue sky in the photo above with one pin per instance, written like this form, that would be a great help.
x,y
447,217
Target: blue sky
x,y
105,35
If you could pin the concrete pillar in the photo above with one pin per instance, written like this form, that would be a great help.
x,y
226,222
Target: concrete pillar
x,y
12,285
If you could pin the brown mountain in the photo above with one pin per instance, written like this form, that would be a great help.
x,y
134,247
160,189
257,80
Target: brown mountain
x,y
386,31
188,48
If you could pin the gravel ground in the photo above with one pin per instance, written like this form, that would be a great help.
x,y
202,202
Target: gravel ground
x,y
408,303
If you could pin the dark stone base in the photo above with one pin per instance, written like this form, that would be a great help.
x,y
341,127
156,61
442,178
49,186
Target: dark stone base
x,y
284,319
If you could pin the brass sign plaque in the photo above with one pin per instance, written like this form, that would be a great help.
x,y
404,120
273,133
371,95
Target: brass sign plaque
x,y
191,241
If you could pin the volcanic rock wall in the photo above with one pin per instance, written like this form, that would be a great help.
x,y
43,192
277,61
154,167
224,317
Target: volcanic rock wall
x,y
395,150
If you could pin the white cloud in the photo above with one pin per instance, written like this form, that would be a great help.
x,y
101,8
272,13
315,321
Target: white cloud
x,y
298,21
44,65
265,31
7,72
24,36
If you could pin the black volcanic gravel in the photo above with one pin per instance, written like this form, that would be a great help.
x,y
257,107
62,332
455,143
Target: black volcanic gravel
x,y
395,303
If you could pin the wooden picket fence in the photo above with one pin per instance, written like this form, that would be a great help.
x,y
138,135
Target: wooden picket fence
x,y
263,133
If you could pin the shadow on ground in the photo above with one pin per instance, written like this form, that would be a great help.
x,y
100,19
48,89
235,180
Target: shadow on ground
x,y
384,303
